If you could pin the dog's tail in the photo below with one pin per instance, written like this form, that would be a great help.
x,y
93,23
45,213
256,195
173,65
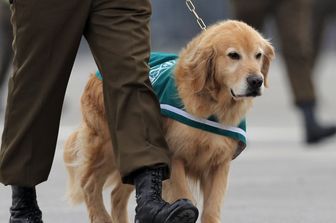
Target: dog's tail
x,y
74,192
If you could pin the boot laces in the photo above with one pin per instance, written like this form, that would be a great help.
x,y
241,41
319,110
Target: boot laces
x,y
157,186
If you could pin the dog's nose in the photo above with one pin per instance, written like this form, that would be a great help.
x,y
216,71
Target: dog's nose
x,y
255,81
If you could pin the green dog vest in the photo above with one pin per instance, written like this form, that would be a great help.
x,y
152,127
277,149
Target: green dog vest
x,y
161,76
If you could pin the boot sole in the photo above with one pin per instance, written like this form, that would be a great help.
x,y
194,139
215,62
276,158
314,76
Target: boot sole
x,y
317,139
183,215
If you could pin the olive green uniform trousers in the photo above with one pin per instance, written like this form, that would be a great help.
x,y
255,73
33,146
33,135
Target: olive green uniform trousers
x,y
323,11
6,38
47,34
293,20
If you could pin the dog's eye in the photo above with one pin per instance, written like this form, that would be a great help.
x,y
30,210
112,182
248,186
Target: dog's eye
x,y
234,56
258,56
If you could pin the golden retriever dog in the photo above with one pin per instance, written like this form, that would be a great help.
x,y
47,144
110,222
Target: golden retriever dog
x,y
218,73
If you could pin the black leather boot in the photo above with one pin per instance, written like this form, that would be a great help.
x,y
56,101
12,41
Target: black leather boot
x,y
320,133
150,206
24,206
315,132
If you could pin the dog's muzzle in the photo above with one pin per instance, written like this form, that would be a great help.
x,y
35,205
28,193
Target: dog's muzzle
x,y
254,83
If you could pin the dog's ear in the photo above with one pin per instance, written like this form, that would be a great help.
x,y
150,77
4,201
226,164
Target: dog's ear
x,y
267,59
202,66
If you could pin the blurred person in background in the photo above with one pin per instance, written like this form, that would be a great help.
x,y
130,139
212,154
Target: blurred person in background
x,y
323,11
293,21
6,38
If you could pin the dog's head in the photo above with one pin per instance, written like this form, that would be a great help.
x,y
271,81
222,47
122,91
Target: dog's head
x,y
229,58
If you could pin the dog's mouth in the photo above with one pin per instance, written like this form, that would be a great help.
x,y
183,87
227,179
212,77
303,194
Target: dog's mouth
x,y
249,93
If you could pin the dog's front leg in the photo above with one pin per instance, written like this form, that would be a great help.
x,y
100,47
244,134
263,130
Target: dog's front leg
x,y
213,186
177,186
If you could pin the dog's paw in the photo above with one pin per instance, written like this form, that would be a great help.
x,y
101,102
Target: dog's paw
x,y
209,218
101,219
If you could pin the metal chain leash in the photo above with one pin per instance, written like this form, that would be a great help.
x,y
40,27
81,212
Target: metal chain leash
x,y
192,9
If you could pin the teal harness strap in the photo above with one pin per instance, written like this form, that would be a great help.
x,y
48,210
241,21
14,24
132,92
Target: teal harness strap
x,y
161,76
99,75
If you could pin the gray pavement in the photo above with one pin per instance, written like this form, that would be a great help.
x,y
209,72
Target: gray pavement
x,y
276,180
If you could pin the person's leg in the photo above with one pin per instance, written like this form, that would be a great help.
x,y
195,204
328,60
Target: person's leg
x,y
253,14
47,35
6,38
319,18
118,35
322,12
119,41
293,18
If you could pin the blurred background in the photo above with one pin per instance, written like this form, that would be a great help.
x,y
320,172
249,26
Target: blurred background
x,y
282,177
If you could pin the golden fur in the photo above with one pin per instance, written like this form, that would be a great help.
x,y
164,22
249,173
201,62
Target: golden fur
x,y
210,82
